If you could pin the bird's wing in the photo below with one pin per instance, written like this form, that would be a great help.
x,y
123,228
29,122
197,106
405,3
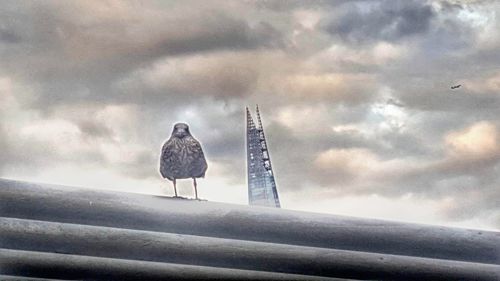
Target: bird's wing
x,y
167,156
197,157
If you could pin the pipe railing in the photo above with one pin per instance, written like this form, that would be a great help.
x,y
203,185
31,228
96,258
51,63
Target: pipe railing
x,y
63,232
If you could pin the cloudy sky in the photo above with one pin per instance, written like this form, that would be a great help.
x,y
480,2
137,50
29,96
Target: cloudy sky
x,y
355,98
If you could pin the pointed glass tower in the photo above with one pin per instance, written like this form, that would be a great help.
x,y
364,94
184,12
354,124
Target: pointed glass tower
x,y
261,184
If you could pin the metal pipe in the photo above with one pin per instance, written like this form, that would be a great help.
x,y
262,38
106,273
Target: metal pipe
x,y
23,278
228,253
164,214
75,267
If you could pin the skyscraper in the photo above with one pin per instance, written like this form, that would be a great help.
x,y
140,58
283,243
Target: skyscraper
x,y
261,184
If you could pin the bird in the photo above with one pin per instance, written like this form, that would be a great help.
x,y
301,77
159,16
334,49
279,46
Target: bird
x,y
456,86
182,157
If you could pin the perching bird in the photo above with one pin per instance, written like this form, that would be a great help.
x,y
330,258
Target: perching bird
x,y
455,87
182,157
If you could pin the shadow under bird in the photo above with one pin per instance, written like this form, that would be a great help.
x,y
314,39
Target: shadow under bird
x,y
182,157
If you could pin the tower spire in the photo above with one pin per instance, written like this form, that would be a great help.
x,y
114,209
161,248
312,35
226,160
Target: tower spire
x,y
258,116
250,123
261,183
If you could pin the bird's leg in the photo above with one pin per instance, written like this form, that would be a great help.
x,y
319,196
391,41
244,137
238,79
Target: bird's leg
x,y
175,188
195,189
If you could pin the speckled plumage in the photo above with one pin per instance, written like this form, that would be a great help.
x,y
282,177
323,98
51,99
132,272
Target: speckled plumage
x,y
182,156
182,159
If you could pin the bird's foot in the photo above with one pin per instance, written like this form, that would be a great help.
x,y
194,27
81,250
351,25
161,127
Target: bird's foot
x,y
199,199
179,197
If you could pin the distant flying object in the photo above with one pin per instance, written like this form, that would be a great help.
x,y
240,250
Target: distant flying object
x,y
182,157
456,87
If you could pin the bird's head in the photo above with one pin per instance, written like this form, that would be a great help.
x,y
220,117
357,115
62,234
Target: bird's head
x,y
181,130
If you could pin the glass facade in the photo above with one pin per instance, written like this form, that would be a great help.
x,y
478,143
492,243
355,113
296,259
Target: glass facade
x,y
261,184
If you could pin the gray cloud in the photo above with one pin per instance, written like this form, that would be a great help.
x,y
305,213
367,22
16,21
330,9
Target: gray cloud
x,y
8,37
4,157
94,129
101,84
70,56
367,21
